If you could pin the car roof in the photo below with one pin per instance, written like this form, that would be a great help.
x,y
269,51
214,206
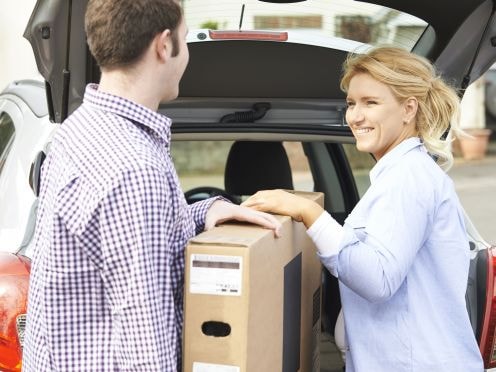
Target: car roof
x,y
458,39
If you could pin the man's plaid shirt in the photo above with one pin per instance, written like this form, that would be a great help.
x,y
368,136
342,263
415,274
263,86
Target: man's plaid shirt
x,y
106,288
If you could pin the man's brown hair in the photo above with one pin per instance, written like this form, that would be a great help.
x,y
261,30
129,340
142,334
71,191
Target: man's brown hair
x,y
119,31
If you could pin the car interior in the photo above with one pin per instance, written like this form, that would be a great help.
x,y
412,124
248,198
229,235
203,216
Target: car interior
x,y
251,166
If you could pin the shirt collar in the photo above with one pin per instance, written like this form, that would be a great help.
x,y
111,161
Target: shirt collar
x,y
393,156
158,123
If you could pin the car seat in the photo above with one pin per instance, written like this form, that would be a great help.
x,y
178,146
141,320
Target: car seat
x,y
257,165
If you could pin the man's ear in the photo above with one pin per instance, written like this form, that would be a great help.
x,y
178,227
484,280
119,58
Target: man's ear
x,y
411,107
163,45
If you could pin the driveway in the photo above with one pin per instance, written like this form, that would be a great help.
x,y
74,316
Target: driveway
x,y
475,183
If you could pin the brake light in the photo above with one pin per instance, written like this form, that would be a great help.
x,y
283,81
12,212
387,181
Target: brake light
x,y
488,337
11,349
14,283
248,35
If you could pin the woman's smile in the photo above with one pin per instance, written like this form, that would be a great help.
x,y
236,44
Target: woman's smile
x,y
360,131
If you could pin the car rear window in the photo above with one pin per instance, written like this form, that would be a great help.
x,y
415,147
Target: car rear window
x,y
309,20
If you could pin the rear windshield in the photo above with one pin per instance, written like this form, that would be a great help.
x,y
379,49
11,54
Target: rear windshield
x,y
311,20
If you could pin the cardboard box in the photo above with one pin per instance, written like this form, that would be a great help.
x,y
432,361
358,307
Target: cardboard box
x,y
252,301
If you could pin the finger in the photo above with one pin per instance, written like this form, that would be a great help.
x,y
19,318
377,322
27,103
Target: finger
x,y
254,204
267,223
250,215
248,203
260,204
259,195
260,207
275,222
270,217
252,200
271,221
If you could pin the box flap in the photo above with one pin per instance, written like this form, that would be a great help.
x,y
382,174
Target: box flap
x,y
221,240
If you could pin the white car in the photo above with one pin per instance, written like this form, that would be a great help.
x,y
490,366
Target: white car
x,y
260,107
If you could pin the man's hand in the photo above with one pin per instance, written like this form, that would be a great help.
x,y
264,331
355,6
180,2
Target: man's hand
x,y
283,202
221,211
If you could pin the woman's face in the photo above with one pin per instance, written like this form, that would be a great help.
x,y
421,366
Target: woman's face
x,y
378,121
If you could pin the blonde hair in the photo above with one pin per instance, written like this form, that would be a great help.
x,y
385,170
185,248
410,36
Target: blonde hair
x,y
409,75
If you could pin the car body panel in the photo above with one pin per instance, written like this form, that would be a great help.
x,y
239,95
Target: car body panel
x,y
16,197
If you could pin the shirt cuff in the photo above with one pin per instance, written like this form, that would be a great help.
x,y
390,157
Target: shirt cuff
x,y
327,235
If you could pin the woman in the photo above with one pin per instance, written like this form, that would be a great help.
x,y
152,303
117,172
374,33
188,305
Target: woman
x,y
402,256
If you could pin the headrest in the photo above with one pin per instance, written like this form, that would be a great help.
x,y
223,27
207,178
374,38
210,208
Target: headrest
x,y
254,166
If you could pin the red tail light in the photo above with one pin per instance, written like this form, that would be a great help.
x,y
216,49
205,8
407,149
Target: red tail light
x,y
488,339
249,35
14,282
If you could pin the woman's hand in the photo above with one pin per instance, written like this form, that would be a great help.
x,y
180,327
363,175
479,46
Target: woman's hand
x,y
286,203
221,211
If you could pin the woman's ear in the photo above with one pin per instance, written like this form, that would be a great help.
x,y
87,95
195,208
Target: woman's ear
x,y
411,106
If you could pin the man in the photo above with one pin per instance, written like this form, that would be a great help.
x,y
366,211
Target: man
x,y
107,276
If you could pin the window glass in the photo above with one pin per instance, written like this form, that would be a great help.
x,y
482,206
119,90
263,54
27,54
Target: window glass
x,y
7,131
202,163
310,20
361,163
300,169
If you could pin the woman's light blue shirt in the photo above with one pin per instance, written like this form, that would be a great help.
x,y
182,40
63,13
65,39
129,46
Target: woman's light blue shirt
x,y
402,267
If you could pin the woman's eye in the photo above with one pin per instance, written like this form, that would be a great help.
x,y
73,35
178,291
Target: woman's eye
x,y
349,104
371,102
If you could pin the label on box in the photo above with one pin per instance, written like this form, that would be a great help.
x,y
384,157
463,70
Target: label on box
x,y
207,367
216,274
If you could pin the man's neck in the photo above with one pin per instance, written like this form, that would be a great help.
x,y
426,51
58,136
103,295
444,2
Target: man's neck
x,y
132,86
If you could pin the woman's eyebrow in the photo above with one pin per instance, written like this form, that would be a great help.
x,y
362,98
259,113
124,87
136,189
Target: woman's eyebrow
x,y
364,98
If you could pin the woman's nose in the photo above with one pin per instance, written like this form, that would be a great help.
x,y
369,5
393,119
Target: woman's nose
x,y
354,115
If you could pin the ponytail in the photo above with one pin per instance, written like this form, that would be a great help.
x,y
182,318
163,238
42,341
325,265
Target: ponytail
x,y
436,115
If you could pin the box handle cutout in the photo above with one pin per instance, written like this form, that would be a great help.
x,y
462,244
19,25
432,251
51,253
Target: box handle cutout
x,y
216,329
